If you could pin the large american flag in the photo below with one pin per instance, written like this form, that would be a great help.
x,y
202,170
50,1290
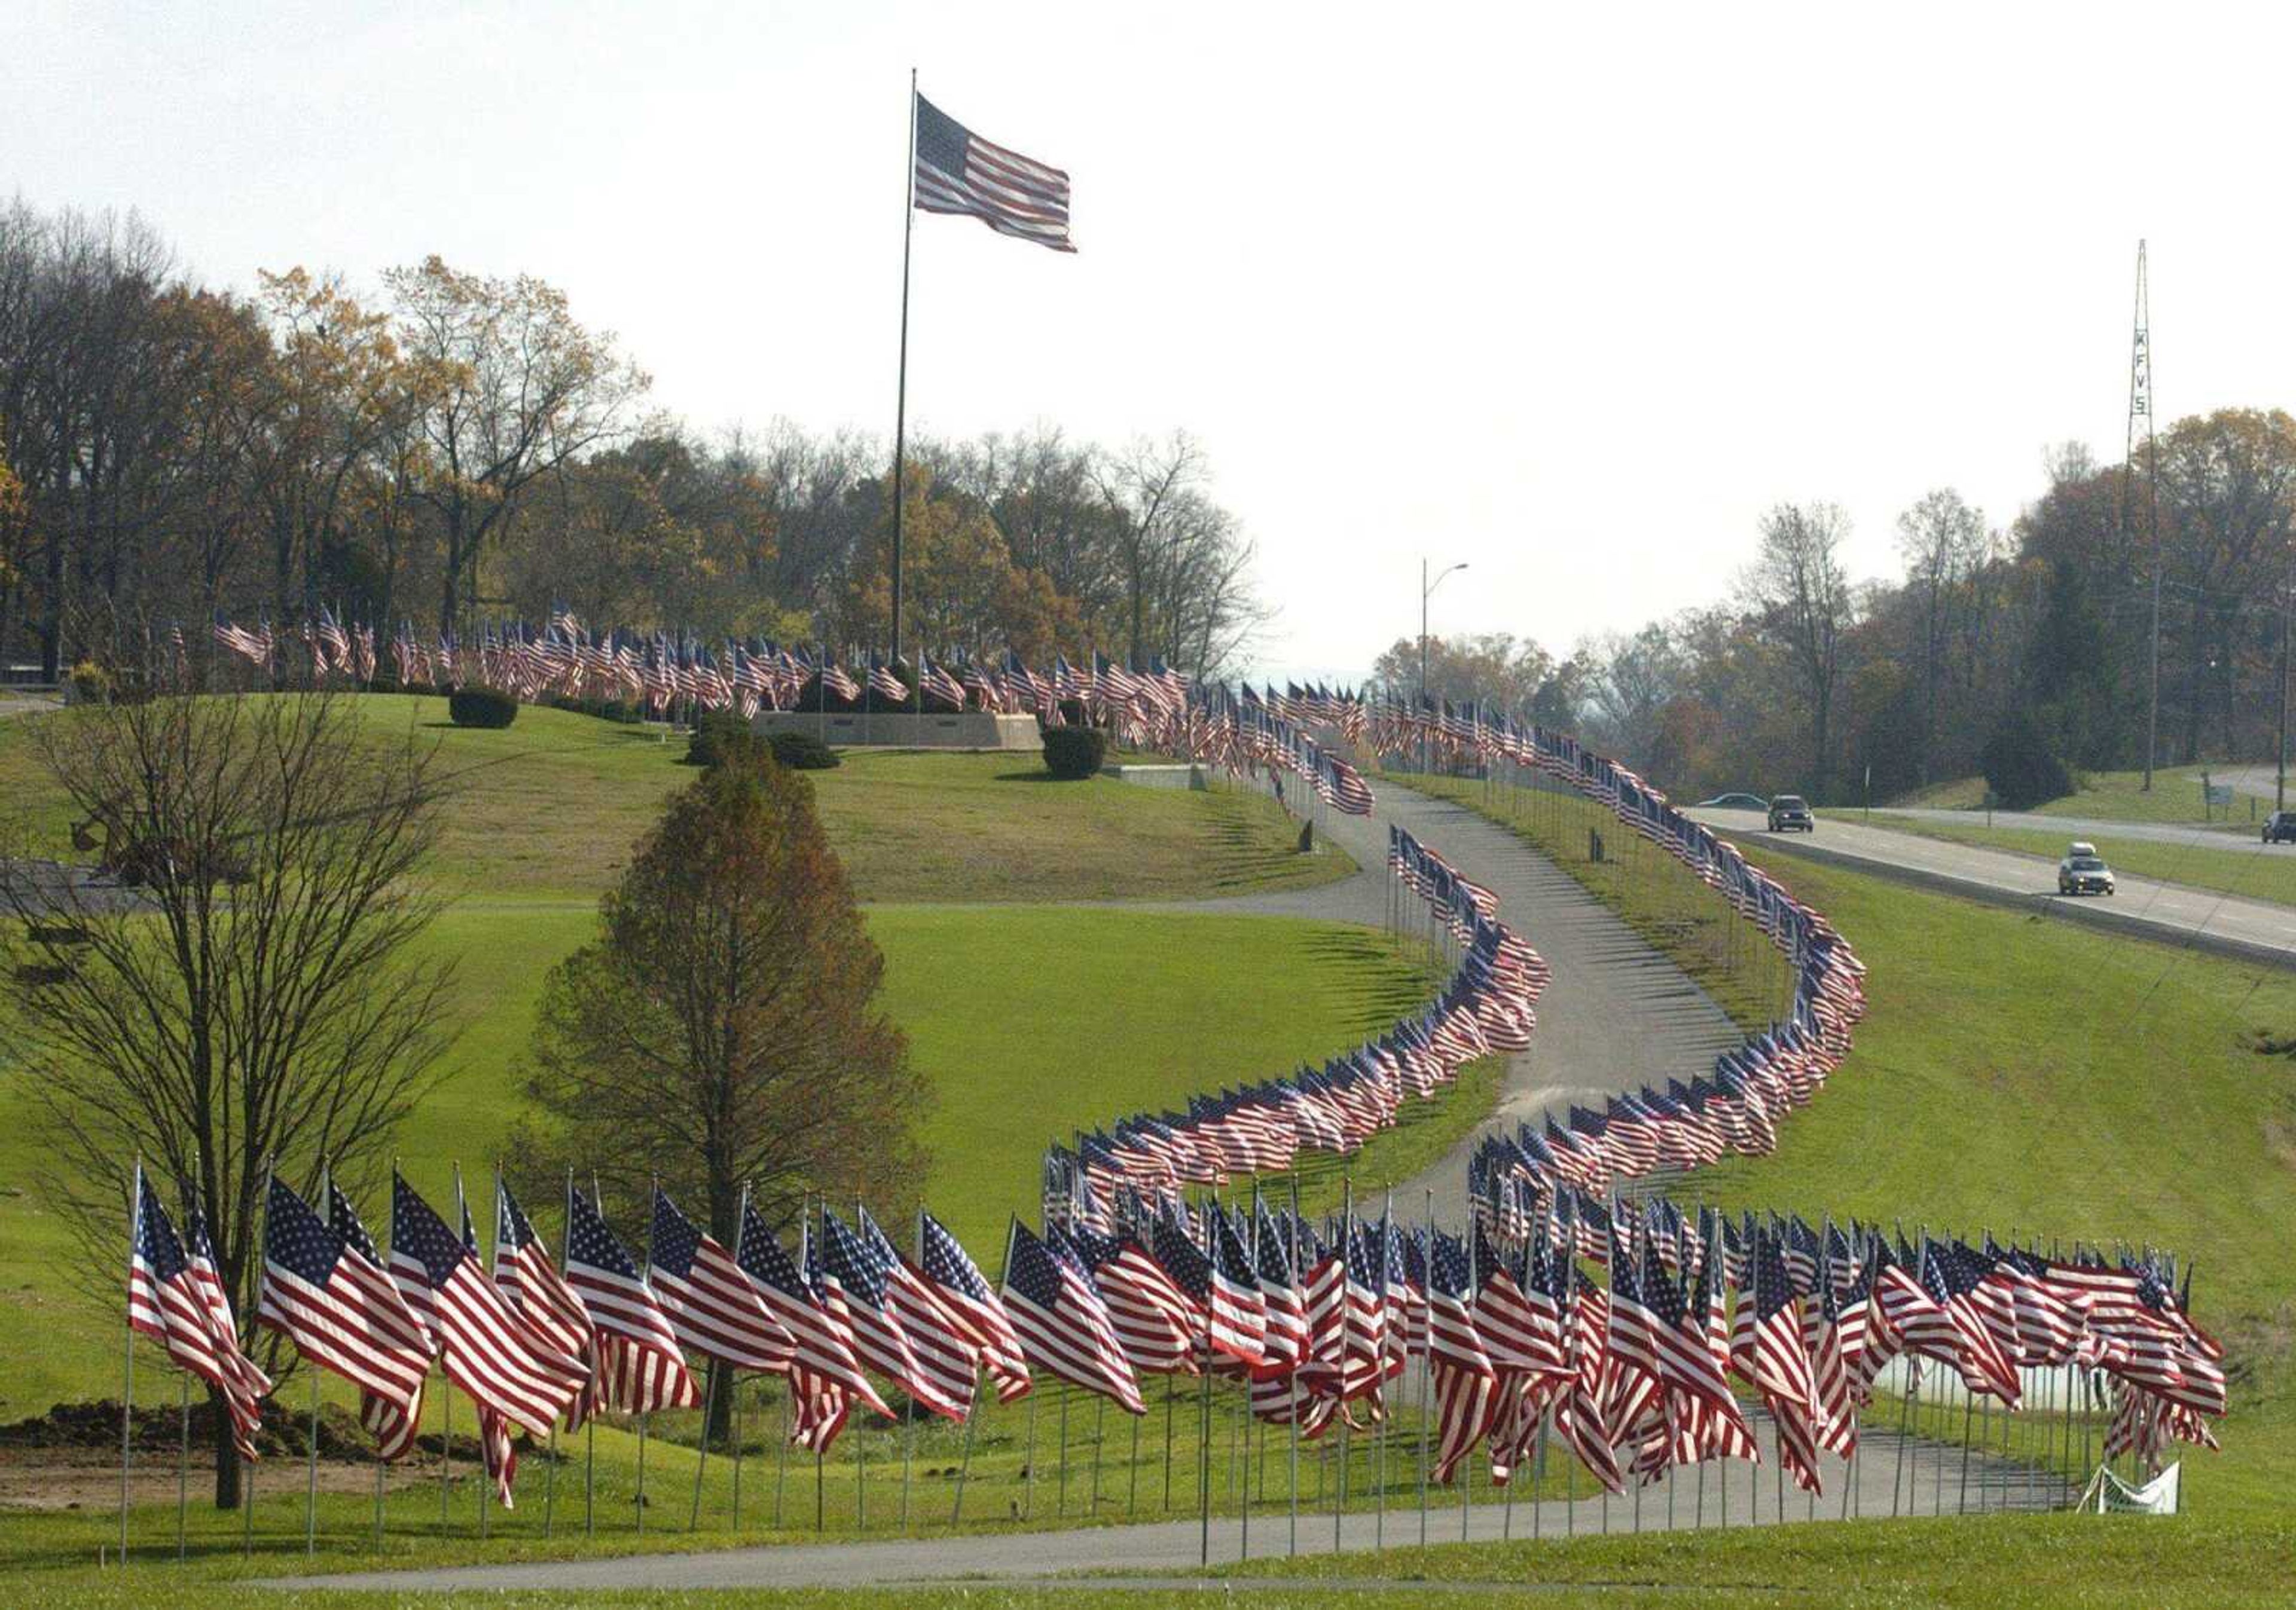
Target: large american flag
x,y
531,1281
711,1305
166,1302
959,171
860,1279
639,1366
341,1310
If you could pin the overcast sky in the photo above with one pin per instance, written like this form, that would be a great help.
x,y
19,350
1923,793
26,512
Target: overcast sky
x,y
1571,294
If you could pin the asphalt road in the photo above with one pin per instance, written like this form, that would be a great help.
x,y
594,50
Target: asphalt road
x,y
2253,930
2232,838
1889,1477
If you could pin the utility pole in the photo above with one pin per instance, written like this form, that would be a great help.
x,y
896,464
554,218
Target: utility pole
x,y
1426,591
2280,748
2140,419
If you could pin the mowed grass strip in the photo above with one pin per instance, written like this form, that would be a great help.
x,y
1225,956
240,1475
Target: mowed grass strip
x,y
549,806
2175,796
1979,1560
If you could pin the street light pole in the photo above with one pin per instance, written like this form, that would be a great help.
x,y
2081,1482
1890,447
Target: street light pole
x,y
1427,590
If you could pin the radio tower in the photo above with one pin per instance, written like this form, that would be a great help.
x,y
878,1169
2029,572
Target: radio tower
x,y
2140,421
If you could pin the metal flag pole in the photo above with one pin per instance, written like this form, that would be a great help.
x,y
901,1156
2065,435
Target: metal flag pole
x,y
733,1425
486,1475
590,1410
1347,1418
247,1466
1466,1466
311,1475
1099,1425
128,1370
901,391
1291,1386
789,1430
184,1467
702,1458
1425,1357
1204,1445
1132,1497
646,1274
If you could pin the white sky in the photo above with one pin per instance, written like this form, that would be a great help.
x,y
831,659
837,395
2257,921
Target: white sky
x,y
1569,293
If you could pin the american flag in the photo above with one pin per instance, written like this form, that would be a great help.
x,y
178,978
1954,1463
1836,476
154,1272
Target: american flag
x,y
639,1366
1158,1325
940,1343
859,1278
341,1310
972,1303
710,1303
1065,1327
487,1348
959,171
166,1302
245,1402
1778,1363
394,1429
824,1373
1466,1385
531,1281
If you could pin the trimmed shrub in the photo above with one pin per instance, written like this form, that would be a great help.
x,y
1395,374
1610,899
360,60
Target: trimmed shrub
x,y
2021,765
475,707
1072,752
801,751
716,736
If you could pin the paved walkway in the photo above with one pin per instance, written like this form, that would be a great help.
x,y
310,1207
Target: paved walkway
x,y
2253,930
1891,1476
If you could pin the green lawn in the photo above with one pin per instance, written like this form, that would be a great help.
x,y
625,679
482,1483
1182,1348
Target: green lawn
x,y
548,808
2106,796
1990,1561
2243,866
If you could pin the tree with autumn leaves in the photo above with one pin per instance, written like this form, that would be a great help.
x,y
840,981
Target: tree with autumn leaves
x,y
721,1032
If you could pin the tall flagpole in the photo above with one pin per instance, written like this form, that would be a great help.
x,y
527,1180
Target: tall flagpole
x,y
901,392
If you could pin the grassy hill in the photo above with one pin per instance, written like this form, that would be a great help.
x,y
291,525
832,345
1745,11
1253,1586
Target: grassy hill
x,y
2105,796
547,809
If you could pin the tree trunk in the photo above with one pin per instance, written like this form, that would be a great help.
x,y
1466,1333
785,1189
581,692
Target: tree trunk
x,y
226,1454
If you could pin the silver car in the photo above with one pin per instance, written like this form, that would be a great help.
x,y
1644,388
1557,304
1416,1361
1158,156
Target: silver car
x,y
2084,872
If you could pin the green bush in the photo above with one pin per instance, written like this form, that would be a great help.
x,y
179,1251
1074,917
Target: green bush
x,y
717,735
2021,765
473,707
1074,752
801,751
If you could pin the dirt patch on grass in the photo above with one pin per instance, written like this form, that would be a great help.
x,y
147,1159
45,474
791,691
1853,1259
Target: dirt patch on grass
x,y
69,1458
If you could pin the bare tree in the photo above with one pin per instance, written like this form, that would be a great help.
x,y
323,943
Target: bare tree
x,y
1801,593
1943,540
250,989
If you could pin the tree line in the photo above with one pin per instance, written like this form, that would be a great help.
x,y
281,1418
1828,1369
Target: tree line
x,y
448,445
1802,678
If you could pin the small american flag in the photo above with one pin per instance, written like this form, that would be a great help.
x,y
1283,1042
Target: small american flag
x,y
959,171
710,1303
974,1304
1062,1324
394,1430
166,1302
860,1281
340,1311
639,1367
823,1367
487,1348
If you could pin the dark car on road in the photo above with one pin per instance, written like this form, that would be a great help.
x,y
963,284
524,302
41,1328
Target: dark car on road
x,y
1789,814
2280,828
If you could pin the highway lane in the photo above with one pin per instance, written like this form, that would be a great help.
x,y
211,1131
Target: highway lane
x,y
2253,930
